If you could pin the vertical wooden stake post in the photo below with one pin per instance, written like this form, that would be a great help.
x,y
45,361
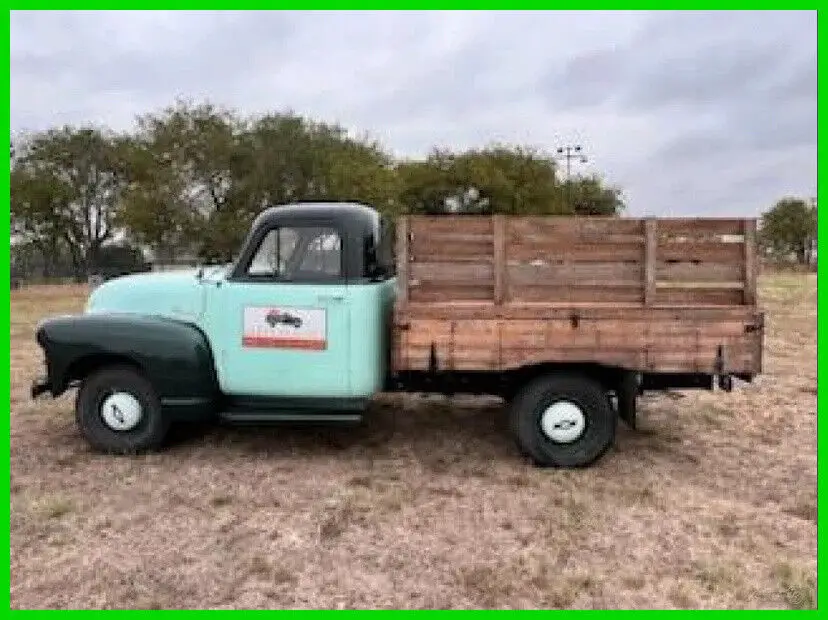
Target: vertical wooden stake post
x,y
499,262
650,247
402,259
750,262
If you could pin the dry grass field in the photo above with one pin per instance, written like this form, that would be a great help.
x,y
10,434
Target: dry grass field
x,y
711,503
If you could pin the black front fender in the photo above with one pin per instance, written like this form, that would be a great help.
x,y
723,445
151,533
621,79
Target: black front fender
x,y
173,355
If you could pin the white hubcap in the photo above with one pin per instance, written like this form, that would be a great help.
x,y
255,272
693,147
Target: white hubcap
x,y
563,422
121,411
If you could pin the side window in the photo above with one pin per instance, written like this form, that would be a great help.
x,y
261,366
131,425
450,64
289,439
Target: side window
x,y
323,253
271,259
298,253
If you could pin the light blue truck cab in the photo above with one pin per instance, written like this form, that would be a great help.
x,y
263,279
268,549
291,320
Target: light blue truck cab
x,y
297,328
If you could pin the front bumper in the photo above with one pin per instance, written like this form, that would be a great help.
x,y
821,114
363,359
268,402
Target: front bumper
x,y
39,386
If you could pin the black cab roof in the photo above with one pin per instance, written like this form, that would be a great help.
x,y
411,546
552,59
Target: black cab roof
x,y
359,224
352,212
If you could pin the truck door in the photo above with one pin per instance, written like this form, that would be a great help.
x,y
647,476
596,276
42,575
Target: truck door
x,y
283,325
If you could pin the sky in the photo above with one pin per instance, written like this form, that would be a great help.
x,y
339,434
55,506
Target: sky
x,y
696,113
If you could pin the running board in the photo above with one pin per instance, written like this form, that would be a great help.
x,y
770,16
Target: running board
x,y
279,417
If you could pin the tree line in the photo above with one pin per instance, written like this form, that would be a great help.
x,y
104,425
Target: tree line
x,y
187,181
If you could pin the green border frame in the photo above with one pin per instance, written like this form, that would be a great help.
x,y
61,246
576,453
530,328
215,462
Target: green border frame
x,y
6,377
397,5
822,320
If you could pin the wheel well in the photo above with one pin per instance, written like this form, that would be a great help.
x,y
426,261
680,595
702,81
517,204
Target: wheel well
x,y
608,376
85,366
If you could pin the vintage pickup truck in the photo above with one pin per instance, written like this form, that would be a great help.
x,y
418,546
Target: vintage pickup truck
x,y
328,304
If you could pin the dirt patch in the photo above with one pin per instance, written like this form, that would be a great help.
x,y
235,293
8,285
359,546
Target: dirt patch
x,y
711,504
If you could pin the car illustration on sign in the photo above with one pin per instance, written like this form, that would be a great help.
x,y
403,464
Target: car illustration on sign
x,y
276,317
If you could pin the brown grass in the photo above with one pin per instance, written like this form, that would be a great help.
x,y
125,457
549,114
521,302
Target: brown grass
x,y
711,503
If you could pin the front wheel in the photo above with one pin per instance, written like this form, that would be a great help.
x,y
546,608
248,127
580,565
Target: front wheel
x,y
563,421
118,410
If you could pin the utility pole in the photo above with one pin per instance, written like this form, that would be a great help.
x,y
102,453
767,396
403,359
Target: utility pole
x,y
568,153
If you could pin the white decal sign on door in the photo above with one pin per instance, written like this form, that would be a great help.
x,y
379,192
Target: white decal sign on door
x,y
284,328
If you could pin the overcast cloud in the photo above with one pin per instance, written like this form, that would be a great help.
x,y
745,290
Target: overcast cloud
x,y
690,113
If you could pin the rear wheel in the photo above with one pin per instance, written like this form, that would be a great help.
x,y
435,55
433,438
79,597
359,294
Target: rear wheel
x,y
563,421
117,410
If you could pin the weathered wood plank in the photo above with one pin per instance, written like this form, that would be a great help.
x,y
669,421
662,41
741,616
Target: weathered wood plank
x,y
424,248
625,358
471,334
458,309
445,257
699,296
664,326
707,286
528,274
455,236
702,251
451,292
736,359
569,227
447,359
702,271
460,284
576,252
704,226
538,238
450,224
627,292
586,351
516,358
447,272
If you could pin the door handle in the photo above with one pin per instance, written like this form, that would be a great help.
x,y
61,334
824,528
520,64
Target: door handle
x,y
330,299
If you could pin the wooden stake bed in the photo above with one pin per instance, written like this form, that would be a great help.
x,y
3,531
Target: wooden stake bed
x,y
497,293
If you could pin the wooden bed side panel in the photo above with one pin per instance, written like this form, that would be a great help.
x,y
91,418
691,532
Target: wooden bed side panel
x,y
663,345
498,292
652,262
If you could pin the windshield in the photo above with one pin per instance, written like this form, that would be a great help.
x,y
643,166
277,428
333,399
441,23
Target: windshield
x,y
297,252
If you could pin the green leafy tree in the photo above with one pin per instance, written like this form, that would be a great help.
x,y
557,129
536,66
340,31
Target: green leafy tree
x,y
425,186
184,163
292,158
200,174
36,202
789,228
66,185
499,179
589,196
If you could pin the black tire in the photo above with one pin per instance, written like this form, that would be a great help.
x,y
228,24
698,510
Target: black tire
x,y
152,427
627,397
600,421
512,421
